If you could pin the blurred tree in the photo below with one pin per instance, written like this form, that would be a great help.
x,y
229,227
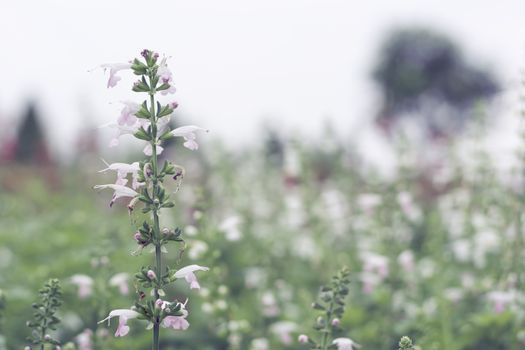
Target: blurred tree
x,y
424,74
31,146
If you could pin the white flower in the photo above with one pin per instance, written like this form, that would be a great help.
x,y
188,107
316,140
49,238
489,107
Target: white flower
x,y
127,114
187,273
84,284
114,68
345,344
123,316
188,133
176,322
120,280
123,169
120,191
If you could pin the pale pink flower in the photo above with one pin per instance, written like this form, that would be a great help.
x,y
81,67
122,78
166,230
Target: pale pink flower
x,y
166,77
176,322
122,130
500,300
120,280
123,169
148,150
375,263
84,340
303,339
406,260
84,284
114,68
124,315
188,133
345,344
120,191
188,274
283,330
127,114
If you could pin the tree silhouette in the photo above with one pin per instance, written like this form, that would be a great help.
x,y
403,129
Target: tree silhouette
x,y
424,74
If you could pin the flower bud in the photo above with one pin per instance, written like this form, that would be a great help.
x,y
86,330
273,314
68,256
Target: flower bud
x,y
174,105
159,303
27,348
151,275
303,339
336,322
47,337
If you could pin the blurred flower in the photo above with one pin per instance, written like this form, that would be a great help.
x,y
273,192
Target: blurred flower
x,y
375,263
123,316
120,191
500,300
114,68
187,273
303,339
283,330
408,207
230,226
367,202
406,260
197,249
84,340
188,133
84,284
345,344
269,304
260,344
120,280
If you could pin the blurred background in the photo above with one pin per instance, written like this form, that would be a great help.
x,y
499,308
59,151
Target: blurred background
x,y
385,136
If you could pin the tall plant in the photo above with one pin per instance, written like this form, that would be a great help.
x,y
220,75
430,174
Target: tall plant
x,y
149,121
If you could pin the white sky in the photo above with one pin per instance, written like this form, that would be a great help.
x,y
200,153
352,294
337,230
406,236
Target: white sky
x,y
295,63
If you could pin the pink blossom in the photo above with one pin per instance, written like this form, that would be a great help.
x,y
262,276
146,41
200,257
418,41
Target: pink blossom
x,y
500,300
303,339
120,191
176,322
124,315
123,169
188,274
114,68
127,115
188,133
84,284
120,280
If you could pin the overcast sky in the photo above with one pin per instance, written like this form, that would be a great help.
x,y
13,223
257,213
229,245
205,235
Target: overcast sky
x,y
294,63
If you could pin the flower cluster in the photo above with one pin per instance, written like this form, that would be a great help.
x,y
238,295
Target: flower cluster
x,y
150,121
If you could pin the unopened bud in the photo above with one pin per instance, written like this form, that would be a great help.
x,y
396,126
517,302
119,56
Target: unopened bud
x,y
159,303
47,337
336,322
303,339
151,275
174,105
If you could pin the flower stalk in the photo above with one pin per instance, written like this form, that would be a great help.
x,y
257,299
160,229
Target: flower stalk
x,y
149,121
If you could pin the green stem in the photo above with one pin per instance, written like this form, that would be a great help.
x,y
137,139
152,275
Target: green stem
x,y
156,228
326,330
